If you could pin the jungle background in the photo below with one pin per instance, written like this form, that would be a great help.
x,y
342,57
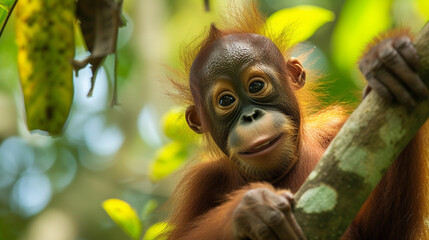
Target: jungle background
x,y
56,187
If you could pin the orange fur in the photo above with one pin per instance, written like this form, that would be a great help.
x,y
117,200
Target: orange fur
x,y
209,190
388,34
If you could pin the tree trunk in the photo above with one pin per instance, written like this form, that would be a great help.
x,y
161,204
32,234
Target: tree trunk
x,y
368,143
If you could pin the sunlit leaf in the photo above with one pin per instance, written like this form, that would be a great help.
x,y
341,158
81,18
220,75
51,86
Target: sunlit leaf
x,y
168,159
304,20
358,23
423,6
176,128
45,39
6,7
155,231
124,215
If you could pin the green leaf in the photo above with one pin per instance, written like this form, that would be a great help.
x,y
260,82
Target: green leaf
x,y
125,216
358,23
6,7
45,40
300,22
148,208
155,231
168,159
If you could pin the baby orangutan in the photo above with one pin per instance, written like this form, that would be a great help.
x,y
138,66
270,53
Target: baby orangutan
x,y
245,98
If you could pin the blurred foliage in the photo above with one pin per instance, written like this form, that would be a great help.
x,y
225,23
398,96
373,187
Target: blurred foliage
x,y
168,159
125,216
296,23
189,13
423,7
358,23
123,153
172,155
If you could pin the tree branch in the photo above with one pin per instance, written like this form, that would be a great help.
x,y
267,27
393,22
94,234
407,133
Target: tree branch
x,y
368,143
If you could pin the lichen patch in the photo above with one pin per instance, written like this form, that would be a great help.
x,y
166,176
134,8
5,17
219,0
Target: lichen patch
x,y
318,199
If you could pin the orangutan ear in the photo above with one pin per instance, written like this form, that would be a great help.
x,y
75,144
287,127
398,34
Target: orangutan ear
x,y
193,120
297,72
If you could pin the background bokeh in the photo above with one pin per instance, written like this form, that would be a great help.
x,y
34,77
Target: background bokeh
x,y
53,188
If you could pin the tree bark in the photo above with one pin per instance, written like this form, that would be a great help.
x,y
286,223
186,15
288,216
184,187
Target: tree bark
x,y
368,143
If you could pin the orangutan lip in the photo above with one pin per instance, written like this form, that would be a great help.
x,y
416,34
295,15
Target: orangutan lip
x,y
261,145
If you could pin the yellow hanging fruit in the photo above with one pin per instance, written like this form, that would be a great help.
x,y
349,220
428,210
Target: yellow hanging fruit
x,y
45,39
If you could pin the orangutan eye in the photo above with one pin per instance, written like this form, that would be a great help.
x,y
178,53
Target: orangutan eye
x,y
256,86
226,100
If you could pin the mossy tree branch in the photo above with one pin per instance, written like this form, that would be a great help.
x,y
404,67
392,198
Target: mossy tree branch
x,y
369,142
